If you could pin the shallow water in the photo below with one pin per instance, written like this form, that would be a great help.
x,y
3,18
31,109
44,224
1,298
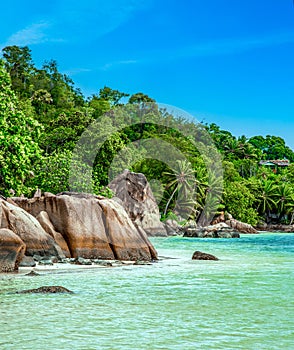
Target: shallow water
x,y
243,301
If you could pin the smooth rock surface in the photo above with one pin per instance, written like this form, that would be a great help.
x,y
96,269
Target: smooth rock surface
x,y
47,225
92,227
12,250
241,226
136,196
28,229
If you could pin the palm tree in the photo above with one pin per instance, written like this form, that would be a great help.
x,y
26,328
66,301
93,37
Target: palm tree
x,y
267,197
210,190
182,181
284,197
231,147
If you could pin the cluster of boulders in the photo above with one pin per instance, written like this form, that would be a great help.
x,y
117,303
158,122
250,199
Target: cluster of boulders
x,y
87,229
37,260
275,227
220,230
68,225
222,227
229,229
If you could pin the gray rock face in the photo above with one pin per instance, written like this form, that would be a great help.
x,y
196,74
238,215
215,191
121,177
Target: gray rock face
x,y
27,261
136,196
220,230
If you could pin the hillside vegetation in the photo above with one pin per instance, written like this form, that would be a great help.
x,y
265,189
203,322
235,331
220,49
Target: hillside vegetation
x,y
43,116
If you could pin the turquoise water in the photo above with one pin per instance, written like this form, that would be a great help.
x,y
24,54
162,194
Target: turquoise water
x,y
243,301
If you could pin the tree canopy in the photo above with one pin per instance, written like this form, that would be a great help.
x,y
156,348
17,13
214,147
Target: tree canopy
x,y
43,117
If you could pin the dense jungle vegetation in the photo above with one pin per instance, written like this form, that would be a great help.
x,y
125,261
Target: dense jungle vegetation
x,y
43,116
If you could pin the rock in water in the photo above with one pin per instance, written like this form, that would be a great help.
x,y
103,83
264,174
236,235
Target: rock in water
x,y
12,250
46,290
32,273
203,256
136,196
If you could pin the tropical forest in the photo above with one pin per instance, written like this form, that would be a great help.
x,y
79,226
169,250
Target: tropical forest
x,y
44,117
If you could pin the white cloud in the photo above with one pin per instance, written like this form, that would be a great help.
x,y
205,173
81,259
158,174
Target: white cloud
x,y
92,19
33,34
75,71
116,64
74,21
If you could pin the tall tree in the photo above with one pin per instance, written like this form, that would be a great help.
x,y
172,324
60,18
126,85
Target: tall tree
x,y
182,181
19,64
18,140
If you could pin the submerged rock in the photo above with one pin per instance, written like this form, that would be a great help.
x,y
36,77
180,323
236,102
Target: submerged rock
x,y
82,261
102,262
46,290
203,256
32,273
140,262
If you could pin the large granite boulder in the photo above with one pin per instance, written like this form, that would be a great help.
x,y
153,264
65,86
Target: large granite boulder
x,y
12,250
47,225
126,241
135,194
236,225
29,230
241,226
92,227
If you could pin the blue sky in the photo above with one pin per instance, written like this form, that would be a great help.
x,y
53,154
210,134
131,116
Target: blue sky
x,y
230,62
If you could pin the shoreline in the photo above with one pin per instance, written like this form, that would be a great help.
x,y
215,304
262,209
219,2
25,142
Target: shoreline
x,y
68,267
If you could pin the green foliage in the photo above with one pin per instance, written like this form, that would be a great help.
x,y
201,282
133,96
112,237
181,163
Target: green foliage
x,y
239,201
18,134
19,65
50,135
272,147
112,96
140,98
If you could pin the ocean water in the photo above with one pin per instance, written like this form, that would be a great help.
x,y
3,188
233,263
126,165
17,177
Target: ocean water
x,y
243,301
